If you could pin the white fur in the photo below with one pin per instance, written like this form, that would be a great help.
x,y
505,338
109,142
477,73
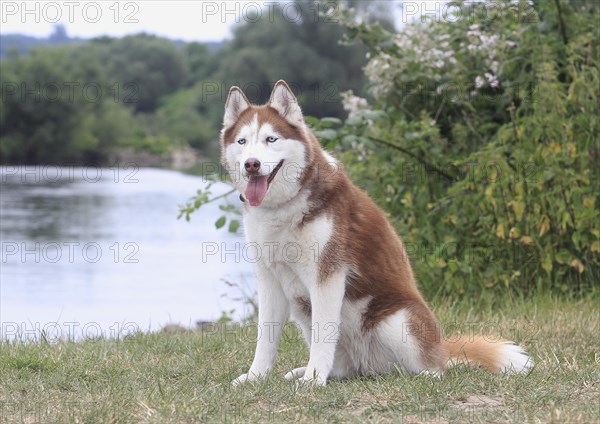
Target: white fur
x,y
284,101
339,347
330,159
514,359
286,183
402,348
288,268
235,105
389,347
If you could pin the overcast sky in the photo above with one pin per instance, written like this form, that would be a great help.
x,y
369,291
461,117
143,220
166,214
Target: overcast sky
x,y
191,20
187,20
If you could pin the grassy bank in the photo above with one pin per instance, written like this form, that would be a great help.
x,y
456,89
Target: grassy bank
x,y
183,377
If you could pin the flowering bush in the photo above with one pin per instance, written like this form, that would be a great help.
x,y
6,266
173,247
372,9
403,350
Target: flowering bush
x,y
481,140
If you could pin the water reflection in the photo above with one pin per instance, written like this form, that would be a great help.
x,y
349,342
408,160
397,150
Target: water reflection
x,y
107,249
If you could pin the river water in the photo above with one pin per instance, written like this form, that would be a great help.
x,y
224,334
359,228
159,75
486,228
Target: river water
x,y
90,252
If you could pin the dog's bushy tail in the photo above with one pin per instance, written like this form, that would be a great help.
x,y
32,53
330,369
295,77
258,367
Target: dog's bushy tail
x,y
494,354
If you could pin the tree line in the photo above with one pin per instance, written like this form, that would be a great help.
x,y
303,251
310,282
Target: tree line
x,y
81,102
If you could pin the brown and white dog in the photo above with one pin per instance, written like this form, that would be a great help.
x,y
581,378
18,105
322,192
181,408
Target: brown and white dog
x,y
330,258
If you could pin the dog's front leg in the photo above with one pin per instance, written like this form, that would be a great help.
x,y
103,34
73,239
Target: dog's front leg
x,y
326,298
273,310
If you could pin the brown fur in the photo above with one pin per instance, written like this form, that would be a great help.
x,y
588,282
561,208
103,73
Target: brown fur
x,y
266,114
365,241
475,350
363,237
305,306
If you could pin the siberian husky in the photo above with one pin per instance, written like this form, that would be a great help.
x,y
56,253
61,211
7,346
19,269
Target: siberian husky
x,y
330,259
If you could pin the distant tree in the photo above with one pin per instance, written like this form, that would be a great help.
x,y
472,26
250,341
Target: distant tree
x,y
305,51
157,94
151,66
185,117
202,63
58,107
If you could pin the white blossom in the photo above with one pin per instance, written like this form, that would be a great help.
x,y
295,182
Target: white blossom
x,y
353,104
424,45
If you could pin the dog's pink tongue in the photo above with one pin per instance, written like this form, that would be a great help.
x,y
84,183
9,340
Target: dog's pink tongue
x,y
256,190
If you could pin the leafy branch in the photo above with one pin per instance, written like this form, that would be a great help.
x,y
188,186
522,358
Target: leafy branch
x,y
203,197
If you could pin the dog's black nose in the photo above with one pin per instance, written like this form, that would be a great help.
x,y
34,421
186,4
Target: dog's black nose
x,y
252,165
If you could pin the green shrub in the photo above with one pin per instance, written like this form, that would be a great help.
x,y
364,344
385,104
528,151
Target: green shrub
x,y
481,141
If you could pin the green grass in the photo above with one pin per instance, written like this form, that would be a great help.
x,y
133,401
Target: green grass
x,y
184,376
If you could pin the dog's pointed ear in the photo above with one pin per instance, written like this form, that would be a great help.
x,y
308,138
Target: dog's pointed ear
x,y
234,106
284,102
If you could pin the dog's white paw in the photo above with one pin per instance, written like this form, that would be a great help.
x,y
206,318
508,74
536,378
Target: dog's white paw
x,y
312,380
244,378
295,373
433,372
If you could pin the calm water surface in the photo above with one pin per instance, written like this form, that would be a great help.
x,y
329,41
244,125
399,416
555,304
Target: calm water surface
x,y
101,251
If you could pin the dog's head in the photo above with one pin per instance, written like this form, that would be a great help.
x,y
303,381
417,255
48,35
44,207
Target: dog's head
x,y
267,148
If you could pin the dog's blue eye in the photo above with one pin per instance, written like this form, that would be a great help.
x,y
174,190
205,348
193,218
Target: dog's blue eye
x,y
271,139
242,141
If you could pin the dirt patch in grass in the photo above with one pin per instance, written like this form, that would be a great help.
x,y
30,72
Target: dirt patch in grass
x,y
474,402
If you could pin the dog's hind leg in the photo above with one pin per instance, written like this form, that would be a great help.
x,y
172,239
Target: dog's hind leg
x,y
410,339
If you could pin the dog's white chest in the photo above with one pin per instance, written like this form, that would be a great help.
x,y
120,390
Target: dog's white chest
x,y
285,244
